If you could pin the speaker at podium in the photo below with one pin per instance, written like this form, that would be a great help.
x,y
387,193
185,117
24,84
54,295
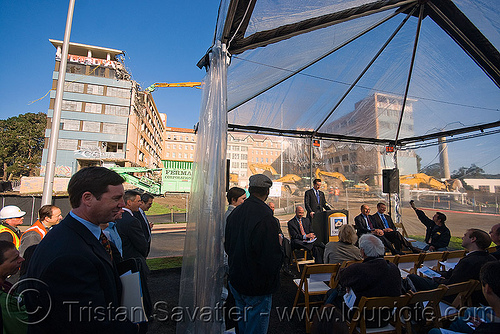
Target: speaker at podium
x,y
326,224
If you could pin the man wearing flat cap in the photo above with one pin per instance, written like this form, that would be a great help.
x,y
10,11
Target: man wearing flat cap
x,y
253,246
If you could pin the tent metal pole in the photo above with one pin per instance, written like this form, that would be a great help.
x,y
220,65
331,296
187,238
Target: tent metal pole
x,y
410,71
351,87
311,161
48,183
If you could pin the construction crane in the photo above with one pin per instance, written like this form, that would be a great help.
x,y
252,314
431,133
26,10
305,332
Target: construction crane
x,y
153,87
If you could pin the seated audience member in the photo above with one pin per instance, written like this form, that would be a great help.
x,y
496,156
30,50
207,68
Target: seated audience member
x,y
14,316
302,235
437,235
495,237
344,249
476,242
285,246
364,223
489,322
48,216
374,277
384,222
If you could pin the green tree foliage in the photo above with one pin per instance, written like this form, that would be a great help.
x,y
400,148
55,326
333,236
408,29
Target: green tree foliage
x,y
471,172
432,170
21,144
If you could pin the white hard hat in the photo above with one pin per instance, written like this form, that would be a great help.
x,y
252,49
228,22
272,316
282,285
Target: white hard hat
x,y
11,211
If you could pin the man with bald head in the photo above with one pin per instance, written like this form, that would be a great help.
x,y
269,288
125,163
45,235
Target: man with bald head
x,y
302,235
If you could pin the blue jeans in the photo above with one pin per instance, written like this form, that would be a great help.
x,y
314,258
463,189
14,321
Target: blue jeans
x,y
253,312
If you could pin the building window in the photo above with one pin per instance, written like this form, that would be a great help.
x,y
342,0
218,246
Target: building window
x,y
345,157
118,92
191,156
93,108
346,169
167,155
116,110
173,154
70,125
71,105
185,156
91,126
114,147
111,128
95,89
74,87
485,189
67,144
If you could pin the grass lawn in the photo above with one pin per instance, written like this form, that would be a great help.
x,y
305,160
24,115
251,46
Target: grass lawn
x,y
164,262
162,209
455,242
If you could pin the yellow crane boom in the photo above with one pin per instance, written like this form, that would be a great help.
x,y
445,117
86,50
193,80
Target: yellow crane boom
x,y
153,87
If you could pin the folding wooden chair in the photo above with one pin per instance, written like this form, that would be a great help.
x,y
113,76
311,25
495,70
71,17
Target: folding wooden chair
x,y
451,257
430,300
463,291
391,258
401,229
431,260
408,263
300,261
312,283
366,309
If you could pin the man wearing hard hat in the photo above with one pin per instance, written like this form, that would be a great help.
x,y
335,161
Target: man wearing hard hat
x,y
11,217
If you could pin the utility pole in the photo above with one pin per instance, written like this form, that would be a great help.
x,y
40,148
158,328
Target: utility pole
x,y
48,183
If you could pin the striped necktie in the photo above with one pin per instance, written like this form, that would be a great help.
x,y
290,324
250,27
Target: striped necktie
x,y
301,227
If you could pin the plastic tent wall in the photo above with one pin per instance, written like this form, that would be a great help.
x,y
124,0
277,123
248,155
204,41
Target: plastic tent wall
x,y
397,73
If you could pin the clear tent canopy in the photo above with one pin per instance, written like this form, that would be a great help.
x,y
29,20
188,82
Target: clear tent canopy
x,y
358,76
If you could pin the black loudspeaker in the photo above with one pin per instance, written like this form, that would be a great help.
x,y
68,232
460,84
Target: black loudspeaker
x,y
390,180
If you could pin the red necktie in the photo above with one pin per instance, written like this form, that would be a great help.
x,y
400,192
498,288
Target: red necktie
x,y
105,243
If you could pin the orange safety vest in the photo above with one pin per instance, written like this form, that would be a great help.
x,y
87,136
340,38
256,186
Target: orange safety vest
x,y
15,238
38,228
337,192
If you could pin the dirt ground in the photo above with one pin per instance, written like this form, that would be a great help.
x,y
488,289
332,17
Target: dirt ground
x,y
457,221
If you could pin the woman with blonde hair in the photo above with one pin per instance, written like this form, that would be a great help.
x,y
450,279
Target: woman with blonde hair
x,y
344,249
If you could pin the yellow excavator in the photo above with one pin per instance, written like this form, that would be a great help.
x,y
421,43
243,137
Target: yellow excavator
x,y
262,168
153,87
336,179
424,180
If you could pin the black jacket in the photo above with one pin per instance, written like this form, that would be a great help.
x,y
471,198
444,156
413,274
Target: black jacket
x,y
361,226
311,202
252,245
439,236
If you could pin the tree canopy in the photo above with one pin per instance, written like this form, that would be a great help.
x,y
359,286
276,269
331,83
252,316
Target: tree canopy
x,y
21,144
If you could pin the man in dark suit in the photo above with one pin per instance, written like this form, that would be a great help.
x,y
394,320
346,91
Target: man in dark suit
x,y
134,243
364,224
146,202
476,242
314,200
384,222
77,286
301,235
